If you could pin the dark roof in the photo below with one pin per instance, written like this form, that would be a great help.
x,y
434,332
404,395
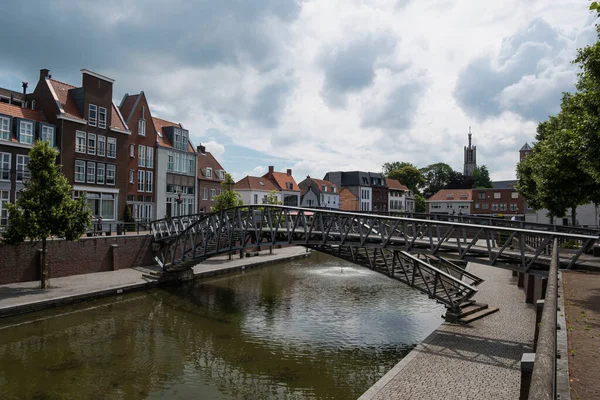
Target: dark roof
x,y
504,184
163,140
526,147
355,178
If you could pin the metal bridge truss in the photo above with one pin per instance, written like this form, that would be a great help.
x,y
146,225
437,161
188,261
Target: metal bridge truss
x,y
192,239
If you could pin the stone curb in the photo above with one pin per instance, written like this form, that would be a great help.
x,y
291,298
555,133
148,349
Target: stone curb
x,y
563,387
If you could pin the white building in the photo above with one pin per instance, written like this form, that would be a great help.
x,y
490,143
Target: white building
x,y
254,189
319,193
450,201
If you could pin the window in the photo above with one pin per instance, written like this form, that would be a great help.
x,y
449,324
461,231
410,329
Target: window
x,y
100,169
481,195
110,174
91,143
102,117
80,142
141,156
497,195
494,207
514,207
22,170
477,205
112,148
101,145
91,172
130,176
209,172
485,206
514,195
140,181
221,174
3,211
48,134
503,207
5,166
324,188
193,167
170,162
149,181
255,199
92,115
289,185
79,171
177,137
142,127
132,150
204,194
213,193
102,204
26,132
150,157
4,128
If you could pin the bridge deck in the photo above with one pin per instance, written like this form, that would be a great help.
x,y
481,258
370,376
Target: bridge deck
x,y
479,361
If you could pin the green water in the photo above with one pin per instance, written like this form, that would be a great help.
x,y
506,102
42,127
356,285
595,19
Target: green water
x,y
318,328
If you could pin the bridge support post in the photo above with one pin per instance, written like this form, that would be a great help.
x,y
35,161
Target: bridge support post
x,y
529,288
539,307
527,361
114,258
515,273
521,279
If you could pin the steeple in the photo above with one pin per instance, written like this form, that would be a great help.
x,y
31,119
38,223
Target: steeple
x,y
524,152
470,157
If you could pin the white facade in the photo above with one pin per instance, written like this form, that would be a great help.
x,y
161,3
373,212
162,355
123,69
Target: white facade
x,y
310,199
171,199
366,198
587,215
452,207
330,200
252,197
396,200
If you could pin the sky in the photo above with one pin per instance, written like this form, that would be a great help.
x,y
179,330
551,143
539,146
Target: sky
x,y
318,85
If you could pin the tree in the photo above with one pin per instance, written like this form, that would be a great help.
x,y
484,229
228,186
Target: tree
x,y
46,208
460,181
482,177
409,176
271,198
228,198
389,167
437,176
420,205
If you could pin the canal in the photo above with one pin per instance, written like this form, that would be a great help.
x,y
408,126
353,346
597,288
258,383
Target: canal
x,y
317,328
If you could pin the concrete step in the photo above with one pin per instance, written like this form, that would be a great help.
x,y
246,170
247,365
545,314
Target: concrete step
x,y
151,276
472,309
478,315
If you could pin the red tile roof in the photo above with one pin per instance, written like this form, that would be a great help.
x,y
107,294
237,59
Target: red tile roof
x,y
66,101
395,184
19,112
128,104
254,183
208,160
115,119
281,178
321,182
452,195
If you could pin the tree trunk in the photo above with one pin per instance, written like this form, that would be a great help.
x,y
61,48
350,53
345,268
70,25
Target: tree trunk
x,y
573,216
43,266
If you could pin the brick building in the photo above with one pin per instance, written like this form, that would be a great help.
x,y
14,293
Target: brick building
x,y
497,202
210,176
349,201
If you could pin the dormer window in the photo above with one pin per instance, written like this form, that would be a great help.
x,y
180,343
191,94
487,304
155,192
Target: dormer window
x,y
26,132
289,185
334,191
142,127
221,174
102,117
365,181
261,183
209,172
324,188
48,134
450,196
92,115
4,128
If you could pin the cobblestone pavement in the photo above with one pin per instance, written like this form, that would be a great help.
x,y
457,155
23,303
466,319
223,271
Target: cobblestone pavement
x,y
476,361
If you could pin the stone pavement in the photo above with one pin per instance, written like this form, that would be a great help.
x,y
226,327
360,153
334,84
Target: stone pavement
x,y
476,361
18,298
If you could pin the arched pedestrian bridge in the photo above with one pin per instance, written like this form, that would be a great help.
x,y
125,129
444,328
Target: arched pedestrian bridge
x,y
421,251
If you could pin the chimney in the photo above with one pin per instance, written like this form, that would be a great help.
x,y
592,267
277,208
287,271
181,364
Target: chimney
x,y
11,99
201,149
24,84
44,73
307,176
271,169
289,172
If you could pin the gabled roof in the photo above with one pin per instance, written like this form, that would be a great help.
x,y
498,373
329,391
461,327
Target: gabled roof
x,y
164,141
20,112
254,183
321,182
395,184
347,193
526,147
452,195
128,105
281,178
207,160
510,184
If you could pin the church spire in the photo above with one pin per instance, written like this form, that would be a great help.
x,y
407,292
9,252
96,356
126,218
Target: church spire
x,y
470,157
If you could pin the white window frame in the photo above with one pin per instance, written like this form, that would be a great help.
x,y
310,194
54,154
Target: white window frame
x,y
140,182
213,193
26,131
141,155
111,168
149,157
113,141
48,134
79,176
100,177
5,128
101,149
101,120
80,142
92,108
142,127
132,150
91,167
130,176
22,161
208,172
497,195
149,177
5,161
91,144
204,193
514,195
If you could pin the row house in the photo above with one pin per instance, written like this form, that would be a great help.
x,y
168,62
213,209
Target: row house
x,y
506,201
176,184
369,187
380,192
286,184
91,136
210,176
397,196
319,193
349,201
254,189
19,128
141,183
451,201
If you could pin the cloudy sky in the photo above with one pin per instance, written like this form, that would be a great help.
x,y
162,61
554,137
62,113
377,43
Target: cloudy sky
x,y
318,85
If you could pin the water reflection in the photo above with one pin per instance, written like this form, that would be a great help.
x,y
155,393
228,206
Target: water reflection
x,y
315,328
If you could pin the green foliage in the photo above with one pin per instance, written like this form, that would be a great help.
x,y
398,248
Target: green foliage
x,y
482,177
437,176
272,198
389,167
228,198
409,176
420,205
129,220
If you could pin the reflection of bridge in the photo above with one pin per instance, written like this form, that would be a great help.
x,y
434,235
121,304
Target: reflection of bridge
x,y
410,250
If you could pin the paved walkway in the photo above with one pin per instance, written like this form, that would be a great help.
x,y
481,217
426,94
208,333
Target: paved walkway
x,y
476,361
18,298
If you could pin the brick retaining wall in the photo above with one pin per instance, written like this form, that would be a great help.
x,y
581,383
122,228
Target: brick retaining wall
x,y
20,263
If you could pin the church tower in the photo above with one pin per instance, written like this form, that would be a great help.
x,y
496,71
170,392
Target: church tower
x,y
470,158
524,152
